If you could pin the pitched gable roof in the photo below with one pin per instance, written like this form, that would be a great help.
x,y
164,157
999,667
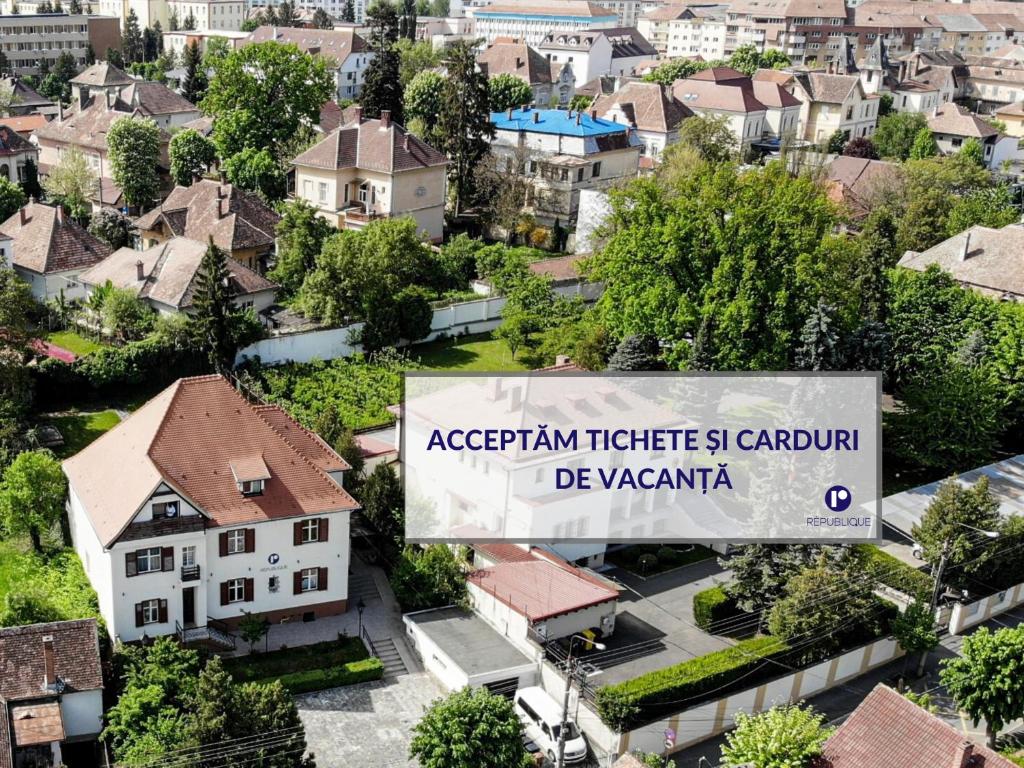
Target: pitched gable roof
x,y
170,271
955,120
516,59
187,436
831,89
726,95
12,142
371,145
234,218
333,43
985,258
653,107
76,658
889,729
89,127
49,242
156,99
102,74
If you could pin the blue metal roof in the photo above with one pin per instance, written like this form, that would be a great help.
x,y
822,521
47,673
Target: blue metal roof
x,y
555,121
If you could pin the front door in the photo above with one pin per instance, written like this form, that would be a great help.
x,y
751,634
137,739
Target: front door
x,y
188,606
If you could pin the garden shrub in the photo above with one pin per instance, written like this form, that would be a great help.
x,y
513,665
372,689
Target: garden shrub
x,y
893,572
645,698
712,606
332,677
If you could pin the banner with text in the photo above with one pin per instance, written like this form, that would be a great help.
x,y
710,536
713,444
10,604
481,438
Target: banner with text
x,y
576,457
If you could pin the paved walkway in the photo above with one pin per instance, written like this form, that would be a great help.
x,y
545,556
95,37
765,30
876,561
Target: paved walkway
x,y
367,725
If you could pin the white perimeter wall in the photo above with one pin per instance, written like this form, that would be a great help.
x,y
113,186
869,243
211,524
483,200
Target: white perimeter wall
x,y
968,615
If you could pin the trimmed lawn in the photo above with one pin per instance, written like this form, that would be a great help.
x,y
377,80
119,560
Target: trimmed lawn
x,y
261,666
72,342
682,554
82,429
479,352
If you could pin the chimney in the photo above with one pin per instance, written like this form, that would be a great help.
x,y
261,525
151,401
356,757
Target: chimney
x,y
60,111
509,113
221,192
519,62
593,114
965,250
964,755
358,113
385,118
536,116
223,177
49,662
579,118
562,359
223,208
111,96
138,271
60,213
405,143
22,215
525,107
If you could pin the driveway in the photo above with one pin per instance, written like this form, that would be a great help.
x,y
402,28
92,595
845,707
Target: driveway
x,y
370,724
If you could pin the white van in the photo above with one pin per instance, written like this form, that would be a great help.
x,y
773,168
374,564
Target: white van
x,y
541,716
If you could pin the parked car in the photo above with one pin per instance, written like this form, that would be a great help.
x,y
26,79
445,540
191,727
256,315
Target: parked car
x,y
917,550
541,717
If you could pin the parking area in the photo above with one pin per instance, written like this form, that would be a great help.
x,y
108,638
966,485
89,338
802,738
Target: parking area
x,y
654,626
369,725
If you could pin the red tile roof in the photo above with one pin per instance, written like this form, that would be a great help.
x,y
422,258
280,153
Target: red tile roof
x,y
888,729
187,437
76,655
539,589
503,552
370,145
315,449
50,242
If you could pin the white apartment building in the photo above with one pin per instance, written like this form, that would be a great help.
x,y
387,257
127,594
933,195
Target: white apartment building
x,y
148,11
532,23
698,31
200,508
210,15
615,51
28,40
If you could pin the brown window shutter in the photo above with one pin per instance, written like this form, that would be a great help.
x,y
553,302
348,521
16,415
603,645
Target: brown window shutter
x,y
321,579
130,567
249,590
163,611
168,558
323,528
224,593
224,544
297,583
250,539
139,621
297,533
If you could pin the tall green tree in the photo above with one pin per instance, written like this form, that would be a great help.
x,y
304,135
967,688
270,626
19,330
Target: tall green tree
x,y
212,320
973,152
762,571
924,145
914,630
194,82
790,736
382,87
508,92
407,22
283,85
32,495
113,228
710,136
952,521
71,183
133,146
131,38
191,155
471,728
424,97
464,123
348,12
257,171
321,19
416,57
384,503
12,197
987,679
300,237
895,135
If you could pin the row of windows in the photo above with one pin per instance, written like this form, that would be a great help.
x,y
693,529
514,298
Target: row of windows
x,y
44,29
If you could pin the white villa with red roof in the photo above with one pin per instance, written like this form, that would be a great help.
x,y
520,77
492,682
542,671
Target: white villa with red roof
x,y
201,507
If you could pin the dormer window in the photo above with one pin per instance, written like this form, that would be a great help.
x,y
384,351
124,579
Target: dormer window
x,y
251,474
251,487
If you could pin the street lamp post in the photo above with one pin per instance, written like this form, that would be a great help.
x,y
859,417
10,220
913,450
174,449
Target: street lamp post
x,y
360,607
570,673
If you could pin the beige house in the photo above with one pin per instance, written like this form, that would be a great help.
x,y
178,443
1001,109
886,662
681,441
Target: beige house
x,y
374,169
239,222
1013,116
832,102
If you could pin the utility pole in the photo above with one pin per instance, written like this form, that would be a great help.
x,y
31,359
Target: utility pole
x,y
571,666
940,570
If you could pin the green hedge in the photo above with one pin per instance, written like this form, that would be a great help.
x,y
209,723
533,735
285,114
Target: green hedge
x,y
711,606
625,705
300,658
893,572
332,677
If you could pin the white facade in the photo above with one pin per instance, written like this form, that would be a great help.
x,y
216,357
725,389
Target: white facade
x,y
696,36
210,15
268,554
588,61
52,285
176,41
491,23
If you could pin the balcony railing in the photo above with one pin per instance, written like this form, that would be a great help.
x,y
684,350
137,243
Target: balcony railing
x,y
190,573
